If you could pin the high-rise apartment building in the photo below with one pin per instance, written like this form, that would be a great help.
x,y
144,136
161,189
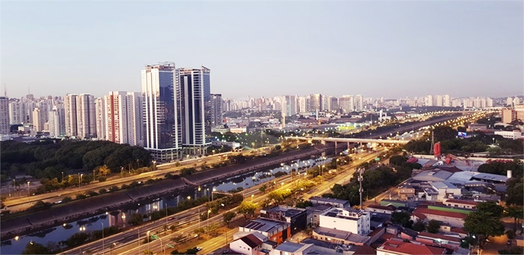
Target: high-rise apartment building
x,y
216,110
289,105
123,117
446,100
359,103
347,103
100,112
315,102
4,116
54,122
80,115
333,103
38,122
192,90
15,112
428,100
161,127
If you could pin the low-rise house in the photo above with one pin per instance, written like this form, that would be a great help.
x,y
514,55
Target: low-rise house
x,y
349,220
289,248
467,204
339,203
296,217
445,190
276,231
380,209
453,219
438,239
249,245
314,212
396,246
339,236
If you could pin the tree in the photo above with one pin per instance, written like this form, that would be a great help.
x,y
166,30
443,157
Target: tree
x,y
77,239
228,216
247,208
516,212
510,234
419,226
400,217
485,221
36,248
433,226
136,219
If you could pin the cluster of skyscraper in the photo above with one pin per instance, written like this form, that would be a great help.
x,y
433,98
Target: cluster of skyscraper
x,y
170,117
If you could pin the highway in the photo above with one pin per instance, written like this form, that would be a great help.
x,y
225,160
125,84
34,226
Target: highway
x,y
22,203
131,241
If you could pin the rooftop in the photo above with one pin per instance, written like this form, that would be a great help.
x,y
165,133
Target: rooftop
x,y
289,246
459,201
251,240
438,236
427,211
340,234
490,177
432,175
329,200
264,225
398,245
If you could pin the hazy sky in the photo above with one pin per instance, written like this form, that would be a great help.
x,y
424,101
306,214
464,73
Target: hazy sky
x,y
267,48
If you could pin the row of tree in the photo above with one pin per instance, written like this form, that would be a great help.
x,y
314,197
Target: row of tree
x,y
49,158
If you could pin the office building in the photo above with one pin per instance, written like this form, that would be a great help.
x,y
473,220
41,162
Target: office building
x,y
161,127
54,123
192,90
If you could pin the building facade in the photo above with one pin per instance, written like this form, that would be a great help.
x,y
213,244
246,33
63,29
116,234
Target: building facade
x,y
161,128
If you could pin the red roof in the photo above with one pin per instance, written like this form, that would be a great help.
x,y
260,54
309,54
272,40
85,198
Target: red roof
x,y
458,230
400,246
365,250
427,211
419,215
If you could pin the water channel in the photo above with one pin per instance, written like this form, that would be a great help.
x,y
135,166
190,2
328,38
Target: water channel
x,y
119,218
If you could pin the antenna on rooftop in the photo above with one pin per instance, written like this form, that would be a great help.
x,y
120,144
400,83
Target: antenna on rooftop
x,y
360,179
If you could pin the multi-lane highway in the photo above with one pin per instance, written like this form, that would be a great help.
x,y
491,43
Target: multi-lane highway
x,y
131,241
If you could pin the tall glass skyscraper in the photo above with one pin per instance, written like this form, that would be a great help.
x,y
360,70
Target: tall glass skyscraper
x,y
162,137
193,100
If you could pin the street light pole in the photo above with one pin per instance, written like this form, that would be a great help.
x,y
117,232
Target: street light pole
x,y
103,241
148,240
28,188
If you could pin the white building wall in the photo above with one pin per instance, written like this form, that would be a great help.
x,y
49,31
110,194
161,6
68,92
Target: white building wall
x,y
359,226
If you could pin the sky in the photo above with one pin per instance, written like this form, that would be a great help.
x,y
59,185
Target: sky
x,y
388,49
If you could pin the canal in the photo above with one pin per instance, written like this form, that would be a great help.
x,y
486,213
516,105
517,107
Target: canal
x,y
55,235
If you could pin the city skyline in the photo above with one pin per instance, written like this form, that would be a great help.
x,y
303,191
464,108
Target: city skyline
x,y
265,49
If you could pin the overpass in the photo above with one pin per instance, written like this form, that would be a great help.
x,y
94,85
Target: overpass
x,y
347,140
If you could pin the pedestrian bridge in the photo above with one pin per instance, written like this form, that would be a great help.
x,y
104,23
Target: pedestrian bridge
x,y
347,140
